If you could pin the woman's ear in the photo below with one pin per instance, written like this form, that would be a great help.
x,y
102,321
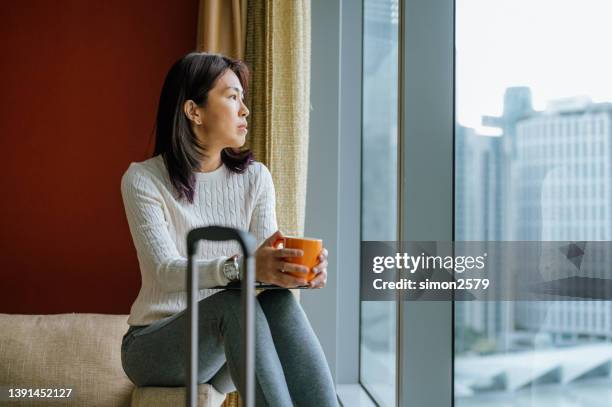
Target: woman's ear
x,y
191,111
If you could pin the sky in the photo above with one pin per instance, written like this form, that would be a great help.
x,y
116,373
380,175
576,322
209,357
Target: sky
x,y
558,48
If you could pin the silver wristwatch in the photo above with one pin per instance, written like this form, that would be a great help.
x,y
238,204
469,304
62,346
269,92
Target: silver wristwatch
x,y
231,268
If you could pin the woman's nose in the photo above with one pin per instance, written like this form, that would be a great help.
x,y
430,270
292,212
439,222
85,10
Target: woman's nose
x,y
244,111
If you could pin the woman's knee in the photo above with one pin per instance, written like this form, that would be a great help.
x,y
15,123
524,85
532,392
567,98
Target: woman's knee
x,y
278,300
283,295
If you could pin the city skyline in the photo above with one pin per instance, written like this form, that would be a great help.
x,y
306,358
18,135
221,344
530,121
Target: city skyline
x,y
547,177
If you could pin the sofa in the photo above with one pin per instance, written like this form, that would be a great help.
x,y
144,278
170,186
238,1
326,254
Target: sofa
x,y
81,352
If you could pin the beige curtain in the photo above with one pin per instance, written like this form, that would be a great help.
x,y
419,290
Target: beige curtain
x,y
222,27
278,52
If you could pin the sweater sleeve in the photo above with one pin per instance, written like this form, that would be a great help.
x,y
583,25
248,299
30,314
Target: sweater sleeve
x,y
144,208
263,221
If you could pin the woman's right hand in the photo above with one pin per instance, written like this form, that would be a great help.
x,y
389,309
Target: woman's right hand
x,y
271,265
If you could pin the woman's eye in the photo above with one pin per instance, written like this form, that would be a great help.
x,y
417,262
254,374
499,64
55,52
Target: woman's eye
x,y
233,97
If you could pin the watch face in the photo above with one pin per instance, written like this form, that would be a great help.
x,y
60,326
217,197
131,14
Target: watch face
x,y
231,269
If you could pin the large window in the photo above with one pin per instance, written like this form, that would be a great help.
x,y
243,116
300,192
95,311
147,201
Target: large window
x,y
533,154
379,220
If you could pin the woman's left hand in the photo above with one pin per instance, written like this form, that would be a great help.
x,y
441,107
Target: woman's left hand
x,y
321,271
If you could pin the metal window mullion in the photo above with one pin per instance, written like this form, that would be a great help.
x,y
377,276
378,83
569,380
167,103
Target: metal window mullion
x,y
426,133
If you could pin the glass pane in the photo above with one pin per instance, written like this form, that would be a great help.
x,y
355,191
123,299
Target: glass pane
x,y
533,148
379,188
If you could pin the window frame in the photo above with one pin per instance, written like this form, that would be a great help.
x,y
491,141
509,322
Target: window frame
x,y
333,191
426,107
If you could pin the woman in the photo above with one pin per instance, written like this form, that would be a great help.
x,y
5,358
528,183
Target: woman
x,y
197,177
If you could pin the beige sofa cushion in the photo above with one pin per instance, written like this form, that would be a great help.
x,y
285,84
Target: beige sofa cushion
x,y
175,396
78,351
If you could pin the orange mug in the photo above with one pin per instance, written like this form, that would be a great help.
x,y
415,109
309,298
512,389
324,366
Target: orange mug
x,y
311,248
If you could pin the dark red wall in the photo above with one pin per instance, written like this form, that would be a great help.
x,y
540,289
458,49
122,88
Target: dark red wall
x,y
79,84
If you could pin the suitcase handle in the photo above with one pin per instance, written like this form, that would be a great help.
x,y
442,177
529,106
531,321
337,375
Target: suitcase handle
x,y
247,243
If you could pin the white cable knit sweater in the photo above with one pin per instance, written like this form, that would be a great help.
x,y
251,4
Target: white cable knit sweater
x,y
159,225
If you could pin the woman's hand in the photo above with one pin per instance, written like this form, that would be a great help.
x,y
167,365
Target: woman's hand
x,y
321,270
271,267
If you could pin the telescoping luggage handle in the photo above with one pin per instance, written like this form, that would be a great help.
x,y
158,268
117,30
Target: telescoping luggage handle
x,y
247,243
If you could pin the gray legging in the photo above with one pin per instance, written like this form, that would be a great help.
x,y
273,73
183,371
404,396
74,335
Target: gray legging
x,y
290,367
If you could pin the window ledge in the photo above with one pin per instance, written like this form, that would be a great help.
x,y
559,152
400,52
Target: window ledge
x,y
353,395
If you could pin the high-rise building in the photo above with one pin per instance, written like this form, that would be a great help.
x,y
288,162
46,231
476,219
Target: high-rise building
x,y
563,192
484,174
478,203
517,107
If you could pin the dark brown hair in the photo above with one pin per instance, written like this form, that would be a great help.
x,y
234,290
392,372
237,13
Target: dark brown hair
x,y
191,78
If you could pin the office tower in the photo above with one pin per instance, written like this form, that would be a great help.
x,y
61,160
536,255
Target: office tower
x,y
484,171
478,205
562,192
